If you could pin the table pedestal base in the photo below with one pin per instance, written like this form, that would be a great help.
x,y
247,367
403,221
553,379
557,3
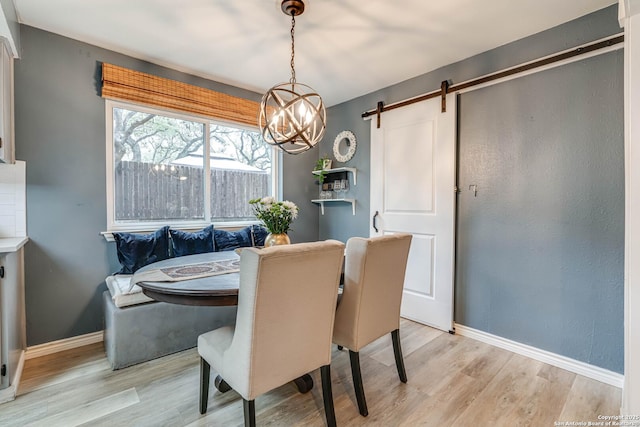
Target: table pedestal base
x,y
221,384
304,384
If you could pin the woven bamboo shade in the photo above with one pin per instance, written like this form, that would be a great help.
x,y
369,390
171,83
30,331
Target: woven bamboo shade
x,y
128,85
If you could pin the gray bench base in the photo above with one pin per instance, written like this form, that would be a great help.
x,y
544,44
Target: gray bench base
x,y
143,332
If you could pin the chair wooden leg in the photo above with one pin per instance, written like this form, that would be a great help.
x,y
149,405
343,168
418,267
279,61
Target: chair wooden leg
x,y
397,352
249,407
205,370
354,357
327,395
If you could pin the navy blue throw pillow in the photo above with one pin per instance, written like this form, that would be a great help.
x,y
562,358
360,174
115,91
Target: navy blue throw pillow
x,y
185,243
259,235
253,235
137,250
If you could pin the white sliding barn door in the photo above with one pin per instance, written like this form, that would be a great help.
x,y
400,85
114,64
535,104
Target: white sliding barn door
x,y
412,191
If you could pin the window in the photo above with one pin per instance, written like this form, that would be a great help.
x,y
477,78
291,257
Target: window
x,y
158,173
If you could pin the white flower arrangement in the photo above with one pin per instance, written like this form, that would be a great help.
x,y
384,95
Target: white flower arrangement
x,y
276,216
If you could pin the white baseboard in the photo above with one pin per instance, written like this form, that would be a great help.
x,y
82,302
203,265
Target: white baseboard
x,y
64,344
8,394
19,368
590,371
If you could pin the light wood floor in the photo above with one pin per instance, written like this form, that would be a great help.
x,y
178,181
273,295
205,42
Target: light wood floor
x,y
453,381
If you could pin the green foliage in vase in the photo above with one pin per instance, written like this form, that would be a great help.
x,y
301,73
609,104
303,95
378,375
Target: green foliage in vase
x,y
320,167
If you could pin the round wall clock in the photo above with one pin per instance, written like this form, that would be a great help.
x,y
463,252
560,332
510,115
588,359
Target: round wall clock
x,y
344,146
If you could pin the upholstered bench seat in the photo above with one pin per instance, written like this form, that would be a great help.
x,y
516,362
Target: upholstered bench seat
x,y
138,329
141,332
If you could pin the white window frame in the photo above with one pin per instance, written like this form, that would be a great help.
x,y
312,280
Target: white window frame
x,y
113,225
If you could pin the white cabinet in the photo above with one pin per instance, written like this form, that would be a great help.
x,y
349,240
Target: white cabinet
x,y
7,154
12,318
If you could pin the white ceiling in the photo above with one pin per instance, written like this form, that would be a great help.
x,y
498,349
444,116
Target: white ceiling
x,y
344,48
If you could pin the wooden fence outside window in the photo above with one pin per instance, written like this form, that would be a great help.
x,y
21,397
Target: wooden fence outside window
x,y
149,192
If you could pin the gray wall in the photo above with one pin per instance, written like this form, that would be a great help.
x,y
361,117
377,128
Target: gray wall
x,y
338,222
298,186
540,250
600,331
60,133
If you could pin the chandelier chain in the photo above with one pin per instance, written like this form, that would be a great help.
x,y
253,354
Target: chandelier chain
x,y
293,49
292,115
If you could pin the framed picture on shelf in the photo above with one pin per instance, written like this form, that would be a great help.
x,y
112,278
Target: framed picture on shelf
x,y
326,164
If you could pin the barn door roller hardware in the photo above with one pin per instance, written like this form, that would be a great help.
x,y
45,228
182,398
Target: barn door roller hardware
x,y
544,62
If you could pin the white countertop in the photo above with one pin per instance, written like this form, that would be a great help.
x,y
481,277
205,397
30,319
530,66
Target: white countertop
x,y
12,244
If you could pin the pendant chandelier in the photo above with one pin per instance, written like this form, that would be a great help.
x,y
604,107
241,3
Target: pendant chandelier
x,y
292,115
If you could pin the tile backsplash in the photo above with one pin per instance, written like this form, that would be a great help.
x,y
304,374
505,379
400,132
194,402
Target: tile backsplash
x,y
13,200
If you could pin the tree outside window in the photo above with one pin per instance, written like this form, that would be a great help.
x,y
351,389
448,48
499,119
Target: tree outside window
x,y
159,169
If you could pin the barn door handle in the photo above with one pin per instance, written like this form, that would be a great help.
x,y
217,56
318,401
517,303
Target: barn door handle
x,y
374,221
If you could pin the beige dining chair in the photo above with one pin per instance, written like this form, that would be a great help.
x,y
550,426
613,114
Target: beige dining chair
x,y
284,324
370,305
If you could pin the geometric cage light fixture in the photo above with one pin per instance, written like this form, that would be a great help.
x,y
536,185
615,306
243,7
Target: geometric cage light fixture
x,y
292,115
